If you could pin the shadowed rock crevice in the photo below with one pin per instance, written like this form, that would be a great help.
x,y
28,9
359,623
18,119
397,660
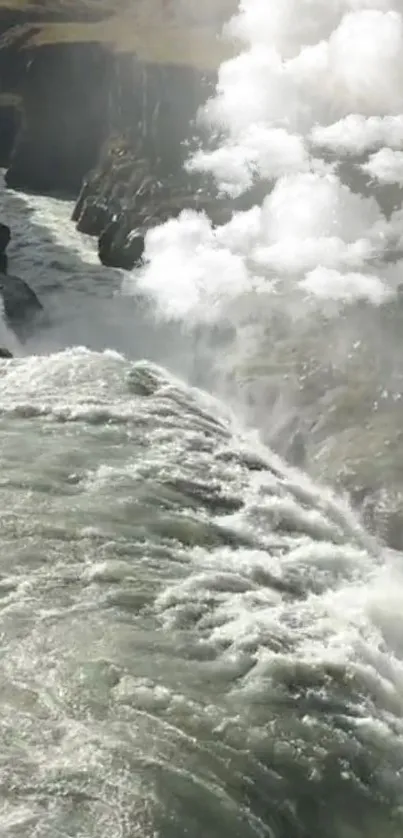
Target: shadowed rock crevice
x,y
19,303
63,124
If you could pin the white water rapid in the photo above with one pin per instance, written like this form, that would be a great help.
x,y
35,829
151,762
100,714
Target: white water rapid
x,y
198,638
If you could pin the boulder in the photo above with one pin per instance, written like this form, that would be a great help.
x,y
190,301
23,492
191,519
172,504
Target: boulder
x,y
5,353
93,217
129,192
20,303
120,248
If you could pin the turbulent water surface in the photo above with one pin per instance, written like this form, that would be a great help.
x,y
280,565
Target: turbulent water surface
x,y
197,638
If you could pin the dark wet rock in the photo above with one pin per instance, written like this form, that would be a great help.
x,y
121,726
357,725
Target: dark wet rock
x,y
84,118
93,217
10,122
132,190
128,193
62,90
72,97
119,247
107,205
79,205
111,125
5,353
21,305
3,263
5,236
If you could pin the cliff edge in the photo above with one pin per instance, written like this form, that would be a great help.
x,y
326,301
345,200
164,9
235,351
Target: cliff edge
x,y
99,98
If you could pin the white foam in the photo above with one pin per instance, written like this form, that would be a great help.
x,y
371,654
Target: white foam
x,y
54,214
386,166
304,67
330,284
308,221
355,133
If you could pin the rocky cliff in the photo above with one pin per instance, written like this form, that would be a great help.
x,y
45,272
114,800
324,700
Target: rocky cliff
x,y
106,101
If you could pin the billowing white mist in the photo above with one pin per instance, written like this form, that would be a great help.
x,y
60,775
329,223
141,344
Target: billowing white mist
x,y
317,79
312,109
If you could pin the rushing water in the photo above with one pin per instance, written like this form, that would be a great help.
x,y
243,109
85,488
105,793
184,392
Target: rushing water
x,y
198,639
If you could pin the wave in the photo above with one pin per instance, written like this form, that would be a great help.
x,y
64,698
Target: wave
x,y
209,640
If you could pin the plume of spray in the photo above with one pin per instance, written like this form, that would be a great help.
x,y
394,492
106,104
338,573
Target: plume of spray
x,y
312,108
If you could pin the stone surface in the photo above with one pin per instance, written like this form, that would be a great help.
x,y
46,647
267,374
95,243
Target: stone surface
x,y
5,353
21,305
5,237
110,125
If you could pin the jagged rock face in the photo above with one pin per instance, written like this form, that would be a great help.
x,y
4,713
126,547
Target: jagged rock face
x,y
119,247
129,192
75,96
64,91
86,108
116,123
119,124
120,202
10,122
5,237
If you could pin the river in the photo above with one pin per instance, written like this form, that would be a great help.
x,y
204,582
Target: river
x,y
198,638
